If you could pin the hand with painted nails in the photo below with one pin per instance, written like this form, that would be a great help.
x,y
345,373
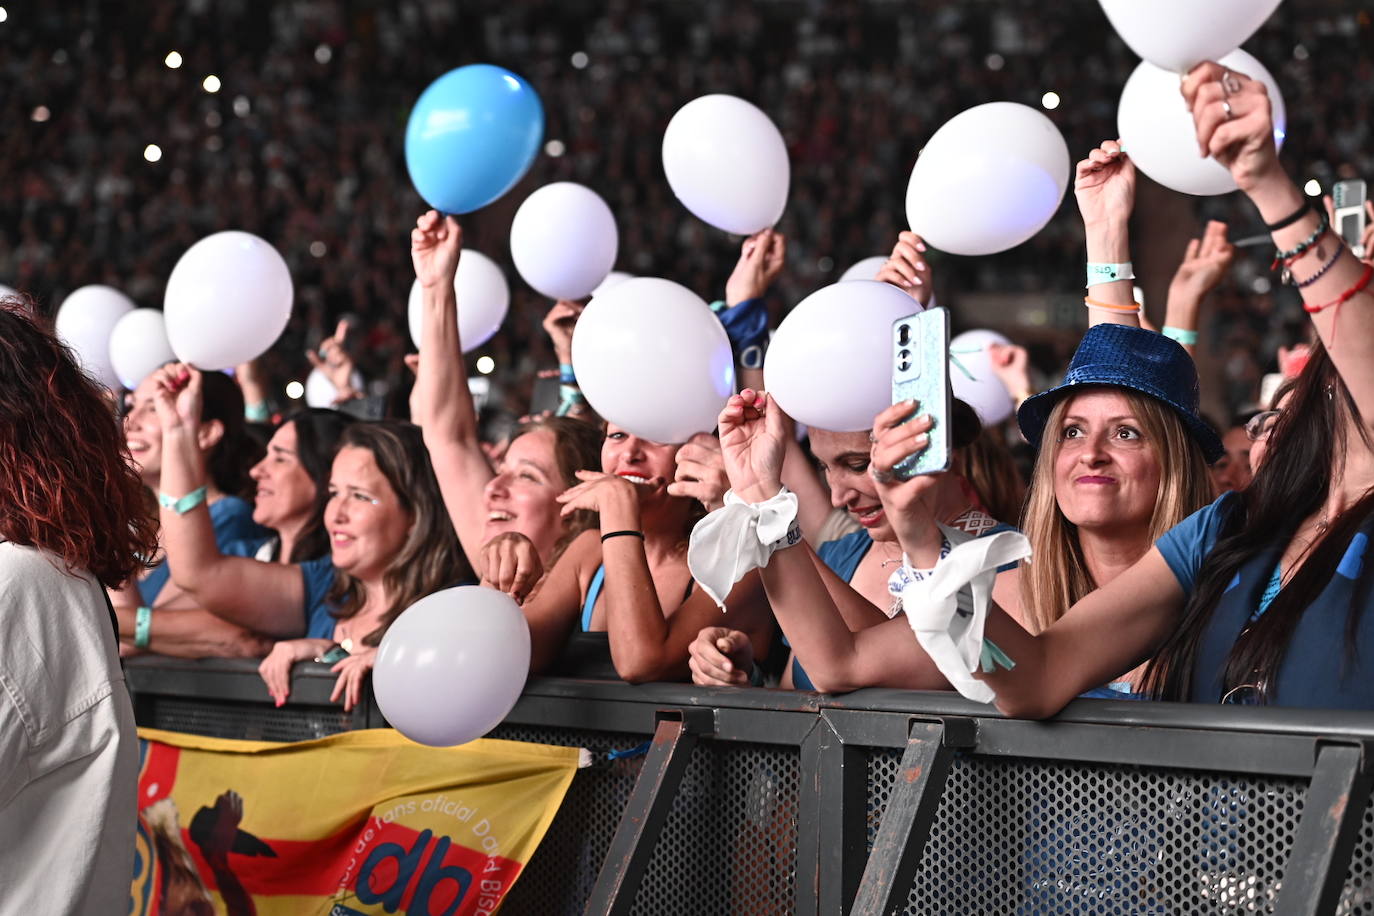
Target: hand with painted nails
x,y
616,498
1234,123
511,564
177,396
275,669
753,441
908,269
761,259
1104,184
351,671
721,657
898,433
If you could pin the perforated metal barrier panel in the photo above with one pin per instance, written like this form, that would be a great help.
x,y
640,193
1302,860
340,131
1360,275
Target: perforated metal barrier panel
x,y
729,844
1010,835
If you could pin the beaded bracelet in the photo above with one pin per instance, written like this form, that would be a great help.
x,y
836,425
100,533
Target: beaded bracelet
x,y
1285,259
1321,271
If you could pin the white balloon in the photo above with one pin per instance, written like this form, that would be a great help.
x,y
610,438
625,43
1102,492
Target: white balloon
x,y
85,321
228,300
452,665
867,269
972,379
1177,35
829,364
727,163
613,279
563,240
989,179
483,298
651,358
320,391
138,345
1157,130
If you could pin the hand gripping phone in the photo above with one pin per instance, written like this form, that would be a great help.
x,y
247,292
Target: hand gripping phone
x,y
1347,198
920,372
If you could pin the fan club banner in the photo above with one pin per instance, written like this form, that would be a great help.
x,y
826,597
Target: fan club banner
x,y
360,822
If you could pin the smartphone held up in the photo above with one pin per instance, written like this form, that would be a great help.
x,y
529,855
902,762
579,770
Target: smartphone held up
x,y
920,372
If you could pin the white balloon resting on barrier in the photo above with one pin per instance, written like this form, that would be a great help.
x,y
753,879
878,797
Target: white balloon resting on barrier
x,y
867,269
138,345
972,379
228,300
85,321
467,642
563,240
989,179
652,358
1157,130
829,364
483,299
1177,35
726,161
320,391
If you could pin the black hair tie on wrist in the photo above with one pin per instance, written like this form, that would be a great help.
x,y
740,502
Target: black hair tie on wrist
x,y
626,533
1291,218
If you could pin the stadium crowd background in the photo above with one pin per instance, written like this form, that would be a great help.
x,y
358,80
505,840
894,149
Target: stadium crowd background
x,y
302,144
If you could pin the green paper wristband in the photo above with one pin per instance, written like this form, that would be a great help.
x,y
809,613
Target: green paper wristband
x,y
1107,273
143,626
186,503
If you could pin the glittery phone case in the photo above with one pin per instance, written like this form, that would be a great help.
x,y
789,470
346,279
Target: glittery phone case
x,y
920,372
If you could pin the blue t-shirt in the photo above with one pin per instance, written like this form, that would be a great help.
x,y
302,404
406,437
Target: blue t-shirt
x,y
232,519
318,576
1320,668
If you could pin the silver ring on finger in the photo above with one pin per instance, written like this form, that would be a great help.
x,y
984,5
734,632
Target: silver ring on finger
x,y
1229,83
1226,107
880,475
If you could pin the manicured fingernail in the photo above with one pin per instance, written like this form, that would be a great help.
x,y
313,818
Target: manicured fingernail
x,y
923,418
920,246
922,440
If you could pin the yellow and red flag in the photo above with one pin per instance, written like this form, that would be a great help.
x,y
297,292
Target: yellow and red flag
x,y
359,822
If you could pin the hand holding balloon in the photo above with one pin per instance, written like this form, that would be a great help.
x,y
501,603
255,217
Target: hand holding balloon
x,y
511,564
1104,184
559,324
908,268
1234,122
435,245
760,261
753,440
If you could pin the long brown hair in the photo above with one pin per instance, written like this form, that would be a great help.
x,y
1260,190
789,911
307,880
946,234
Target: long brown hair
x,y
1306,452
1058,577
66,485
576,447
430,558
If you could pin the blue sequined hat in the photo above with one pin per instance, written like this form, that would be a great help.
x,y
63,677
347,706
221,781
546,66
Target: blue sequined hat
x,y
1127,357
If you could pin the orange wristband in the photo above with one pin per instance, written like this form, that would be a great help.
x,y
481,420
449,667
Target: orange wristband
x,y
1107,306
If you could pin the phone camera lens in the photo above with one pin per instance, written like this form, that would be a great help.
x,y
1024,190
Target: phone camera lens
x,y
903,335
903,364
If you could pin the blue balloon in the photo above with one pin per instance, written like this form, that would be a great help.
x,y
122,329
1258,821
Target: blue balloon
x,y
472,135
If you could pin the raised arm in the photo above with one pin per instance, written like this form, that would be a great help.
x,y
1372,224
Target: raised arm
x,y
1204,266
441,404
264,597
1234,123
1104,185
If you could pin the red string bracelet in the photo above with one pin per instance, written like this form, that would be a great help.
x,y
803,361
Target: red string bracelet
x,y
1355,290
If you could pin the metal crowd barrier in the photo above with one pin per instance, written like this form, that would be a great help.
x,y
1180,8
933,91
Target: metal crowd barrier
x,y
881,801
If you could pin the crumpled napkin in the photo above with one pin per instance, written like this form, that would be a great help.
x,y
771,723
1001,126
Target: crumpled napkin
x,y
948,608
740,537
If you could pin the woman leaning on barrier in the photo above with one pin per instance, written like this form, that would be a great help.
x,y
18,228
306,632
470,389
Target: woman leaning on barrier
x,y
72,522
1259,597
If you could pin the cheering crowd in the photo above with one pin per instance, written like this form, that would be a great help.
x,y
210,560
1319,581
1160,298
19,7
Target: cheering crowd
x,y
1151,576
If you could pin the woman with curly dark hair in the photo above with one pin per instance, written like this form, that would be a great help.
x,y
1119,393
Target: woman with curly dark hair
x,y
72,522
